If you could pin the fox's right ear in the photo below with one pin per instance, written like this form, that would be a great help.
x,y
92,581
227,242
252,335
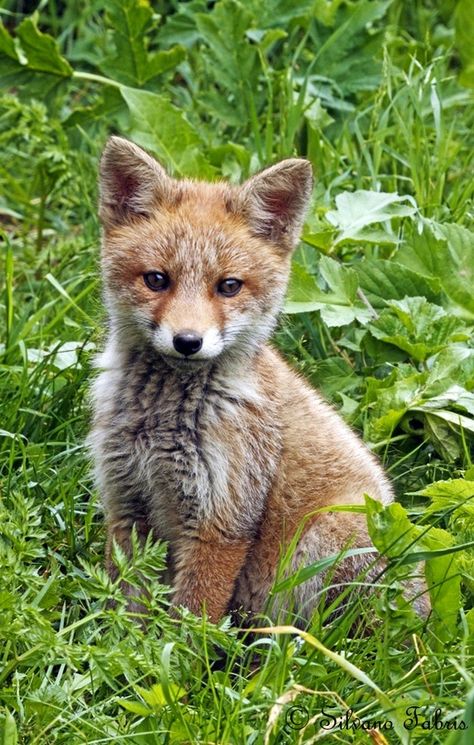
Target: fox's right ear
x,y
131,183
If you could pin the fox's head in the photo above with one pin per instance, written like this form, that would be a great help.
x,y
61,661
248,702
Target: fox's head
x,y
197,269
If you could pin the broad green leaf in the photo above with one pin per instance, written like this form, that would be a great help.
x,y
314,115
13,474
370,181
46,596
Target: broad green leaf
x,y
348,39
316,115
339,306
10,732
231,59
133,22
321,239
7,45
444,426
340,279
455,395
162,128
233,161
388,401
317,232
455,495
224,31
303,288
180,27
383,280
458,420
349,406
280,12
266,38
422,404
444,581
130,20
418,327
334,376
460,245
461,489
455,363
393,534
356,210
390,529
382,427
446,253
164,61
156,697
32,62
136,707
442,435
326,12
41,50
153,696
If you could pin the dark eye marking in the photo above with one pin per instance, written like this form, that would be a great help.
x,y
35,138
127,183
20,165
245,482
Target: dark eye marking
x,y
229,287
156,281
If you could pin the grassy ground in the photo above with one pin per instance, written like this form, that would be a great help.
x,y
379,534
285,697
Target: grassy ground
x,y
378,95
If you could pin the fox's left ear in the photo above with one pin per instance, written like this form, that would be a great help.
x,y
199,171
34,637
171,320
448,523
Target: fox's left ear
x,y
275,201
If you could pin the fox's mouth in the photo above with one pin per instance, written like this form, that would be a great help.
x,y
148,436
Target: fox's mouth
x,y
185,363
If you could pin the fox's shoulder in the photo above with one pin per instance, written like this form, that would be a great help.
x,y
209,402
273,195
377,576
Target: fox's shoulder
x,y
302,408
277,373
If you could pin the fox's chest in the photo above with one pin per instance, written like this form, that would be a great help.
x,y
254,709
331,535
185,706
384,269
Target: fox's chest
x,y
192,451
165,439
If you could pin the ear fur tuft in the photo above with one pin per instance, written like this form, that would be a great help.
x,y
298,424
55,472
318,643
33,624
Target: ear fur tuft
x,y
275,200
131,182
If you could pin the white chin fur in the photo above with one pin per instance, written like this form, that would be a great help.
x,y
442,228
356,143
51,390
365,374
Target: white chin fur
x,y
212,344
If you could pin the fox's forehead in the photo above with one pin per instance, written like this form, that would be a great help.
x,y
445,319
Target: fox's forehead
x,y
215,197
194,245
193,236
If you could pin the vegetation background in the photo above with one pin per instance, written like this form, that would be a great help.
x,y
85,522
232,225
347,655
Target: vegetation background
x,y
378,95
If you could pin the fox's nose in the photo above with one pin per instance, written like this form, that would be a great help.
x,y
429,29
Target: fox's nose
x,y
187,342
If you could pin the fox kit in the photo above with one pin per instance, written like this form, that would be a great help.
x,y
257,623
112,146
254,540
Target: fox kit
x,y
202,433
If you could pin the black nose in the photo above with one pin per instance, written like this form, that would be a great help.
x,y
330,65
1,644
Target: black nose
x,y
187,342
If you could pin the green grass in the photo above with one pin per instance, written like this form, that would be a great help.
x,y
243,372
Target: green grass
x,y
377,95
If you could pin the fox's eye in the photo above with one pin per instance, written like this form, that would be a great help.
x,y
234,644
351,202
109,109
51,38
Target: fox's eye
x,y
229,286
156,281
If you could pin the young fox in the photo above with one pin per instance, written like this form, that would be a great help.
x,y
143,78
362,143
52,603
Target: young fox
x,y
202,433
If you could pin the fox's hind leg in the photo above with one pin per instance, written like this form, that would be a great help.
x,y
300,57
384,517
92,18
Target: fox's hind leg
x,y
327,535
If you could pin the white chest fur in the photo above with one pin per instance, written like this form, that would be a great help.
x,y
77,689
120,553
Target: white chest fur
x,y
160,447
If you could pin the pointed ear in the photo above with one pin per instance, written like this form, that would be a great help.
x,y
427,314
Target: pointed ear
x,y
131,182
275,201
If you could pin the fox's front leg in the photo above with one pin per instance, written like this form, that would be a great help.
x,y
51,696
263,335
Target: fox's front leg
x,y
119,531
207,569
